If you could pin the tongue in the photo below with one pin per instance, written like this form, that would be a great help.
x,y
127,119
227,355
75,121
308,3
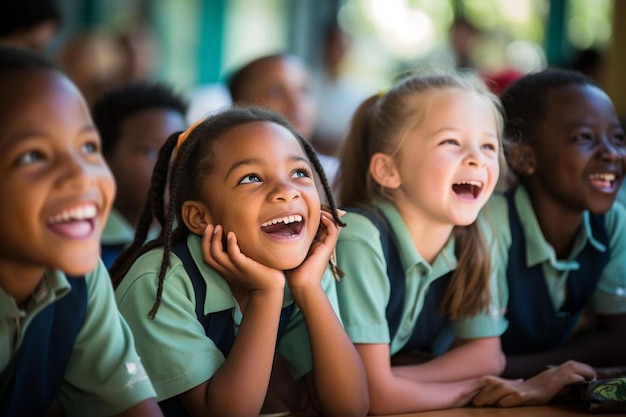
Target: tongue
x,y
278,229
73,229
601,184
463,189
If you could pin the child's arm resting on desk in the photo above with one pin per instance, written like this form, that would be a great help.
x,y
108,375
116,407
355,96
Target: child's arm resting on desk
x,y
337,382
540,389
393,393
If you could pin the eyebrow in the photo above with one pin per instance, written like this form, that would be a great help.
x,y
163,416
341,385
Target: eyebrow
x,y
253,161
30,135
461,130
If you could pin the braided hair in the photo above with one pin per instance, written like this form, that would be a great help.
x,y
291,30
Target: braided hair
x,y
193,161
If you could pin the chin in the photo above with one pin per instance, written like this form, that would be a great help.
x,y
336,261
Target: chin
x,y
82,265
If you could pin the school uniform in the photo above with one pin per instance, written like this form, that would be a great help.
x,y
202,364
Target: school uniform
x,y
174,346
545,295
364,293
117,235
102,374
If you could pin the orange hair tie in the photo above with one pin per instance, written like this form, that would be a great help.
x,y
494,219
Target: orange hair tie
x,y
182,137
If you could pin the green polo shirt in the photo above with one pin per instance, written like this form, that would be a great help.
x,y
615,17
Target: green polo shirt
x,y
174,348
117,230
610,294
104,375
365,290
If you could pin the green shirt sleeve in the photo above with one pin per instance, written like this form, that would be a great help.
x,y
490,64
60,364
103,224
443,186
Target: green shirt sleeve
x,y
104,376
175,350
610,294
364,291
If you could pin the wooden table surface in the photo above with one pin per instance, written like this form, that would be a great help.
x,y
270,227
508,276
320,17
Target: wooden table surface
x,y
539,411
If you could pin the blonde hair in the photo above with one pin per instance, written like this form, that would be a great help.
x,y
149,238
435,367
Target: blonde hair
x,y
381,125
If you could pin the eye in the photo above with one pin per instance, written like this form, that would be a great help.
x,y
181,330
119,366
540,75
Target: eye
x,y
618,139
490,146
583,137
301,173
91,146
149,151
449,142
30,157
250,178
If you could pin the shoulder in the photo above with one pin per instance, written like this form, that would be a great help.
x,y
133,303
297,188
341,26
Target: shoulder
x,y
615,224
358,226
143,275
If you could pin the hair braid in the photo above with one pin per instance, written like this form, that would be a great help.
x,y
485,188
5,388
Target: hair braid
x,y
154,204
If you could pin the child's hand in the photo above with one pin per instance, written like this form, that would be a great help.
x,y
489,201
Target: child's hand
x,y
540,389
611,372
235,267
310,271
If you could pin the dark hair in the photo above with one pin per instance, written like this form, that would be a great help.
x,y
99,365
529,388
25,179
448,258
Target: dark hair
x,y
381,124
193,162
115,106
239,80
524,101
17,59
26,14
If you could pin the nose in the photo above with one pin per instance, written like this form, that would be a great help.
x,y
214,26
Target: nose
x,y
474,157
609,151
282,191
75,173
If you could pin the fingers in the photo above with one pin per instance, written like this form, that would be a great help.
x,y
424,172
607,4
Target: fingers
x,y
494,390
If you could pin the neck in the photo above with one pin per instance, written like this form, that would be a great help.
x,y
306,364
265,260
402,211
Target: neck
x,y
558,224
428,237
19,280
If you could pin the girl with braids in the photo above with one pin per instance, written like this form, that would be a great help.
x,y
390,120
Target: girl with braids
x,y
419,163
243,241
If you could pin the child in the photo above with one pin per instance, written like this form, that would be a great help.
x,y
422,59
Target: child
x,y
62,336
134,121
281,83
561,235
248,220
419,163
31,24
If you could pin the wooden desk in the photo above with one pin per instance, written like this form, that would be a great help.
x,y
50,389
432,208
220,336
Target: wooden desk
x,y
543,411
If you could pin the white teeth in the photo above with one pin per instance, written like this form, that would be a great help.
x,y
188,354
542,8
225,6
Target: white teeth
x,y
474,183
77,213
603,177
286,220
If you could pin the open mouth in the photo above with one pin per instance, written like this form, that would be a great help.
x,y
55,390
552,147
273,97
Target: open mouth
x,y
470,189
604,181
77,222
287,226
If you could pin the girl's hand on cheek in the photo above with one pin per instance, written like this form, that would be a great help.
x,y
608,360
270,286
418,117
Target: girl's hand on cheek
x,y
310,272
235,267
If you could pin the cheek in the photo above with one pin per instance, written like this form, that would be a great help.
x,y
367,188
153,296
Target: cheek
x,y
107,183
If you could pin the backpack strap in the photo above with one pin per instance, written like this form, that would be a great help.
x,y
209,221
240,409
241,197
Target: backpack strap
x,y
432,331
395,270
39,365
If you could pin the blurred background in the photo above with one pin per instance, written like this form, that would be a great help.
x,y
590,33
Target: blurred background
x,y
194,44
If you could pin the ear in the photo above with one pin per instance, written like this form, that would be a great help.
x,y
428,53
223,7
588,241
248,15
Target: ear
x,y
384,171
522,159
195,216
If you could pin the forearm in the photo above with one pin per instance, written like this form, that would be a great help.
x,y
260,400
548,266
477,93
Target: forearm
x,y
338,374
402,395
240,385
597,350
471,359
